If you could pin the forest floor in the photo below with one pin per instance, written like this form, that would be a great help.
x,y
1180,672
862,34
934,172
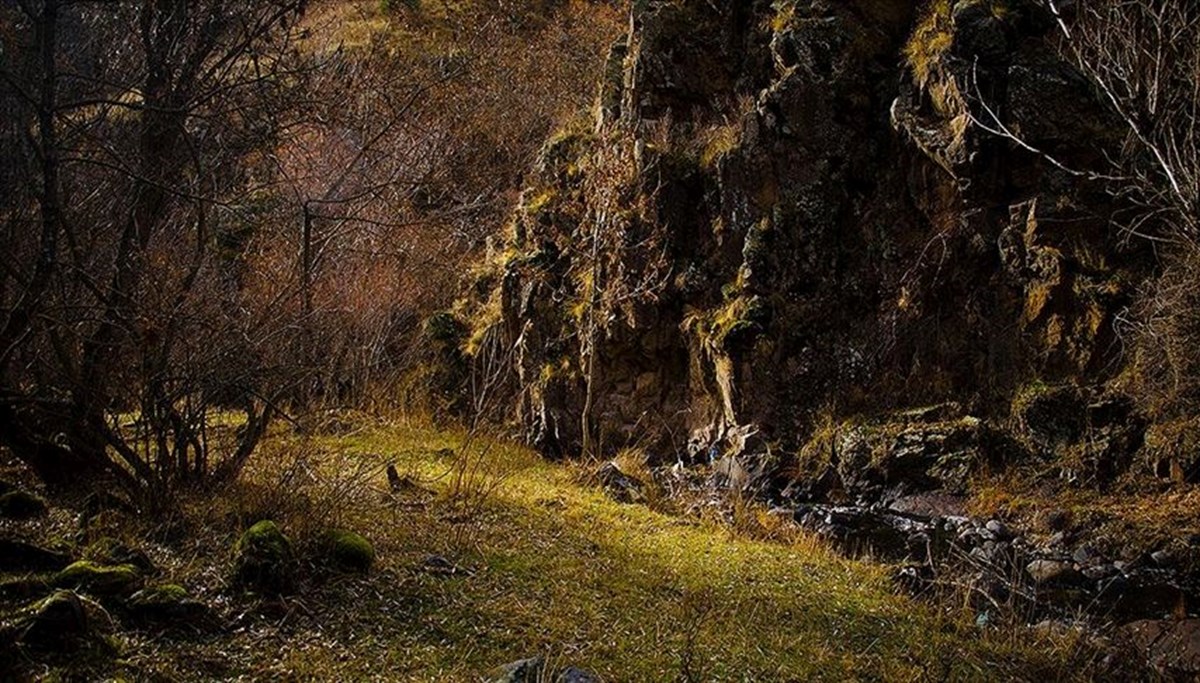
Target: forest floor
x,y
487,554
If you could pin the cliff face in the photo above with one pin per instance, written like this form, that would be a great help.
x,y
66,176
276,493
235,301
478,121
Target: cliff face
x,y
796,209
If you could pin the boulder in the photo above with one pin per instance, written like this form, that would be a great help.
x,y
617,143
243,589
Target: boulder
x,y
63,621
1058,573
263,559
347,551
99,579
530,670
21,505
168,603
21,556
1093,436
909,456
573,674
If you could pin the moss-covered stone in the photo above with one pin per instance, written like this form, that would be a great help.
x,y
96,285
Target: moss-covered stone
x,y
168,602
263,559
99,579
21,505
61,621
348,551
924,456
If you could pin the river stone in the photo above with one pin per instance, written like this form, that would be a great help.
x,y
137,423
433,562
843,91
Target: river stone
x,y
1053,572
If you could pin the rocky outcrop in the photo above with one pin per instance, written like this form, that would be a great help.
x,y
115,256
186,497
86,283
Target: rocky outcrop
x,y
1001,565
789,208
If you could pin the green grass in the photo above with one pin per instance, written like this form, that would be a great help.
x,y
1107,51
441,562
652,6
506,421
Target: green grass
x,y
560,569
553,567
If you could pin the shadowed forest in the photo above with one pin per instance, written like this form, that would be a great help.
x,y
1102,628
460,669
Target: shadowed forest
x,y
599,340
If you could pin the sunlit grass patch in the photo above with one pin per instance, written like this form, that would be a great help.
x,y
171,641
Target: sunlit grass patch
x,y
632,594
540,563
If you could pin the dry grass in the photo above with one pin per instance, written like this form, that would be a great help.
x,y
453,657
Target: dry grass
x,y
1134,518
547,566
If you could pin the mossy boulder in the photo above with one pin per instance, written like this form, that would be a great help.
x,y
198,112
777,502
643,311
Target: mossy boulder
x,y
347,551
21,505
1050,417
168,602
1089,434
62,621
99,579
263,559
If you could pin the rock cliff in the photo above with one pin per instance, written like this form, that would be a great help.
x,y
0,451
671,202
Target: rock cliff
x,y
795,211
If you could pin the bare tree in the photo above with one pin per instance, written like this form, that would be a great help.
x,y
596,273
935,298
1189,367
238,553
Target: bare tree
x,y
146,111
1143,57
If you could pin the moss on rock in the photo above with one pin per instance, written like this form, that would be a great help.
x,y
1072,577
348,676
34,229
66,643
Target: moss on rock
x,y
21,505
61,621
263,558
99,579
168,601
348,551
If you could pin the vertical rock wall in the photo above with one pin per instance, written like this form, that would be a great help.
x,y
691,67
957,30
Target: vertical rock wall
x,y
784,209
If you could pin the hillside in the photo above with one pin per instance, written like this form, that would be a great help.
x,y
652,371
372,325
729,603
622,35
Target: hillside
x,y
618,340
518,561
